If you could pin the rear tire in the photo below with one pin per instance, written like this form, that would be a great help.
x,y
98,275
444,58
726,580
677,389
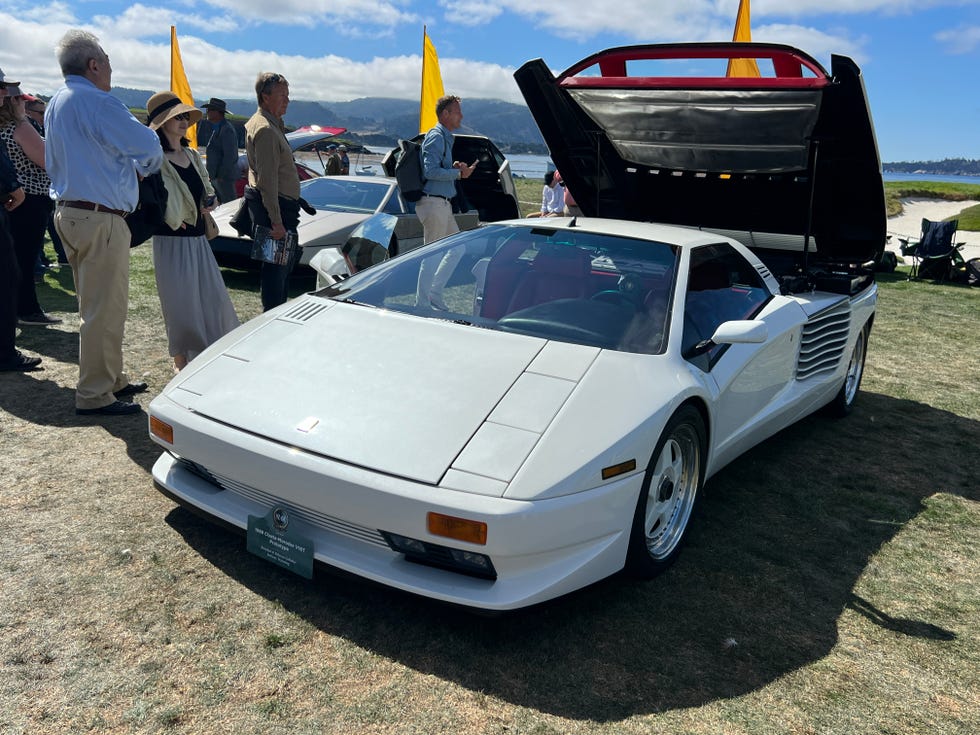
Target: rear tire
x,y
843,402
670,492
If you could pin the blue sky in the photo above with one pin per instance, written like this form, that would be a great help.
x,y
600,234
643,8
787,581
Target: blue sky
x,y
919,57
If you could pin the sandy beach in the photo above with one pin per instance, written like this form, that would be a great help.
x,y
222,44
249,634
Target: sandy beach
x,y
909,223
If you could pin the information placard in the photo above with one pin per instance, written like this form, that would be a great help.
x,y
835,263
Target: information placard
x,y
280,546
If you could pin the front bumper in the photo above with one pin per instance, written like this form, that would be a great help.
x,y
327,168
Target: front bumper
x,y
540,549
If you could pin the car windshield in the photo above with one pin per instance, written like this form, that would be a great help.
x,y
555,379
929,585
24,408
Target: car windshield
x,y
554,283
345,195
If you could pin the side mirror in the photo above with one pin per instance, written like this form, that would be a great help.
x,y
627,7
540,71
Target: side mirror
x,y
740,332
732,333
331,267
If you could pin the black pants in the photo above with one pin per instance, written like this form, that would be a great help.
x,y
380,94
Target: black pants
x,y
9,276
274,278
27,225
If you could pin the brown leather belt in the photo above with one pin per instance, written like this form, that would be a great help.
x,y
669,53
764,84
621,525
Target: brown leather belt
x,y
92,207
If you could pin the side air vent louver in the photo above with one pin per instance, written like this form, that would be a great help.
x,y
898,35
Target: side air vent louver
x,y
823,341
304,311
763,271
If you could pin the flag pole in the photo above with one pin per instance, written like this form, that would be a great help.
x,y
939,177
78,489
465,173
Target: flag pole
x,y
422,80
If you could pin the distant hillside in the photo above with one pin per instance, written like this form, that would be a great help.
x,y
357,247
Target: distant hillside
x,y
382,121
947,167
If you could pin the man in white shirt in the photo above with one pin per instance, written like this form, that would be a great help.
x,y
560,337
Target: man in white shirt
x,y
552,197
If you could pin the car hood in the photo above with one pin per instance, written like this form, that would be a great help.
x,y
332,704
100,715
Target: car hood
x,y
793,154
307,137
324,228
400,404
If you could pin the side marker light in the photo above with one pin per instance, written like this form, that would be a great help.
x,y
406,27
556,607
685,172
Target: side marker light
x,y
618,469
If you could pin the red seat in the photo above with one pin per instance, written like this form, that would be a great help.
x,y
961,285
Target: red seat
x,y
557,272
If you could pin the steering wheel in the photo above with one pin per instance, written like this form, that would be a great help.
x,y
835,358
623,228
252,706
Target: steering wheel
x,y
629,293
614,297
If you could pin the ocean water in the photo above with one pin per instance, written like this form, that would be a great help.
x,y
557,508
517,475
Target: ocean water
x,y
931,177
530,167
534,167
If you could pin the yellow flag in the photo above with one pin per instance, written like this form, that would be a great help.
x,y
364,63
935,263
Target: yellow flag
x,y
743,34
431,84
178,82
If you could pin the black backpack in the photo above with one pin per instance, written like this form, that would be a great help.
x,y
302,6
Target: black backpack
x,y
408,170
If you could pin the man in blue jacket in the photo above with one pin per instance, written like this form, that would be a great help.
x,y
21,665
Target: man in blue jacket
x,y
434,209
222,150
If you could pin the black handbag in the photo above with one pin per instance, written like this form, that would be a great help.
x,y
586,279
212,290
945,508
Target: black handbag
x,y
147,219
242,220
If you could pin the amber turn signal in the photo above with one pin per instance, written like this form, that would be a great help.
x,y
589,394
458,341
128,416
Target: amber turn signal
x,y
618,469
460,529
162,430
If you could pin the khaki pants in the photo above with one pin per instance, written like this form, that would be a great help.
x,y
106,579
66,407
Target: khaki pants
x,y
438,221
97,246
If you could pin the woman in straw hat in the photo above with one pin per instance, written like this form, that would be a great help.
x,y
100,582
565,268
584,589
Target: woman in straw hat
x,y
195,304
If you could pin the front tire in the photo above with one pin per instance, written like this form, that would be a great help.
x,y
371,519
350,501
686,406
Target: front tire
x,y
843,402
670,492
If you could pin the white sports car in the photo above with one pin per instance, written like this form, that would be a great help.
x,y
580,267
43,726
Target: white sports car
x,y
555,422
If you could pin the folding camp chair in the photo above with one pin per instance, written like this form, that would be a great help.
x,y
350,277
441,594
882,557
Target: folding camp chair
x,y
934,255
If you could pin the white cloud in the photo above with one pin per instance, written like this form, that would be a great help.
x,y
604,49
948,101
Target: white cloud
x,y
314,13
809,8
818,43
959,40
56,12
142,62
470,12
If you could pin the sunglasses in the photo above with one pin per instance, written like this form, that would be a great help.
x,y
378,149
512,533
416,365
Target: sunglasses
x,y
183,116
271,81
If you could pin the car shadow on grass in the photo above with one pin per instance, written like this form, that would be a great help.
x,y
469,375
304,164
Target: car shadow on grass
x,y
771,564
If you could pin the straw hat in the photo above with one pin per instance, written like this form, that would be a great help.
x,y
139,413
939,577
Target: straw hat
x,y
164,105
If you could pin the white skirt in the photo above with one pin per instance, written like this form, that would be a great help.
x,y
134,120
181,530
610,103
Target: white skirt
x,y
196,308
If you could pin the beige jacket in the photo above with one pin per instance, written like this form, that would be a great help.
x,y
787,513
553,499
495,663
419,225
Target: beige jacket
x,y
271,168
181,207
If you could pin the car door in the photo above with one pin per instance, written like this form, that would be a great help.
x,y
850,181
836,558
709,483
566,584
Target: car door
x,y
750,379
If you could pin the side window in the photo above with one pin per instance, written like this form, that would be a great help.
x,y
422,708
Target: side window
x,y
722,286
393,205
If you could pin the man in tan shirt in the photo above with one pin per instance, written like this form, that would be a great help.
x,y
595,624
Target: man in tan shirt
x,y
273,184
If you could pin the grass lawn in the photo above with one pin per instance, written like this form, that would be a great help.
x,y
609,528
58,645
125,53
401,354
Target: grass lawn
x,y
831,584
